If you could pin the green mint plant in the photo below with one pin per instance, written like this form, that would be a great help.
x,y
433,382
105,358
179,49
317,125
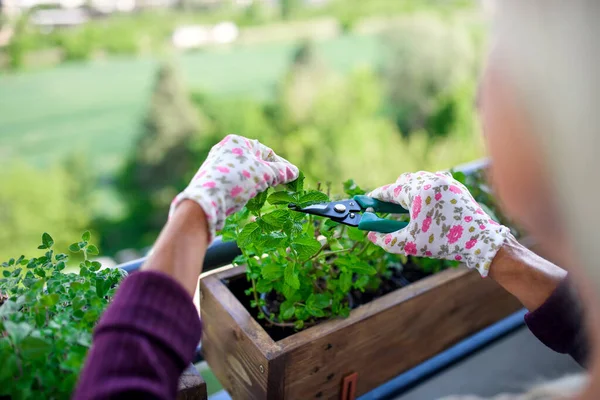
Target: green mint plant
x,y
47,315
307,263
303,268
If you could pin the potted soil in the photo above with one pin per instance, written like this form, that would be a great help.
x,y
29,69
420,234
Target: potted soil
x,y
47,315
312,309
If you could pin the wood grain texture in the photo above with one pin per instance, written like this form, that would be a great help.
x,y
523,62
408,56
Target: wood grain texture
x,y
379,340
191,386
235,346
392,334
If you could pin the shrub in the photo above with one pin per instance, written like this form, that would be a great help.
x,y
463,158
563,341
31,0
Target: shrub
x,y
47,315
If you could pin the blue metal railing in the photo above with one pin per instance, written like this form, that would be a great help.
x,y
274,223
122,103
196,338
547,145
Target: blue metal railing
x,y
218,254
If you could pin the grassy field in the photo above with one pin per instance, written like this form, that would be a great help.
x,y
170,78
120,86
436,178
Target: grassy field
x,y
97,108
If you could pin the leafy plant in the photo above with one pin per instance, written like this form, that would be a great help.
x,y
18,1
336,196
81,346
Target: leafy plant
x,y
46,318
303,268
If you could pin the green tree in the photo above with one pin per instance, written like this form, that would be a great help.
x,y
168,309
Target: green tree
x,y
428,58
161,161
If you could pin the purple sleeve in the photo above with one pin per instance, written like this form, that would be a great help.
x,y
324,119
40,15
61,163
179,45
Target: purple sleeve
x,y
143,342
558,323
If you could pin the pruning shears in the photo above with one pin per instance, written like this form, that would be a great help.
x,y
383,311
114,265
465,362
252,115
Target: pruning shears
x,y
352,212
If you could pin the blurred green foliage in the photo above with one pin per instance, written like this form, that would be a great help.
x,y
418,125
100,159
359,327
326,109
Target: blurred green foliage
x,y
33,201
149,31
161,159
408,106
333,126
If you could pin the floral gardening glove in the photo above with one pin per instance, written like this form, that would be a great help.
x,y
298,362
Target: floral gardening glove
x,y
445,221
235,170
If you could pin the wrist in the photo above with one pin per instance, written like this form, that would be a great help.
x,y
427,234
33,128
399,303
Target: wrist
x,y
197,207
524,274
180,249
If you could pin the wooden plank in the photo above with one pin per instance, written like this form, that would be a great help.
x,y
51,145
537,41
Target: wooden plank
x,y
239,351
379,346
379,340
191,386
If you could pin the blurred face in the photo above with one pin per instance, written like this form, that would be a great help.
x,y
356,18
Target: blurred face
x,y
517,174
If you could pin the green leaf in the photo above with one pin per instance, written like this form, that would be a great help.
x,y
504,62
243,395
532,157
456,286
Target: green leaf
x,y
256,203
264,286
362,282
459,176
102,287
335,245
6,273
291,277
93,250
95,266
287,310
362,268
288,291
297,185
356,234
273,240
301,313
86,236
8,360
316,312
352,189
49,300
74,248
34,348
306,246
281,197
17,331
16,272
320,300
277,218
272,272
39,271
29,282
250,233
313,197
78,302
47,240
60,266
299,324
78,314
345,281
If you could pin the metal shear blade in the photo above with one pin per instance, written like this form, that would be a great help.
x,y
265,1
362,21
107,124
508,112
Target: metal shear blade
x,y
344,211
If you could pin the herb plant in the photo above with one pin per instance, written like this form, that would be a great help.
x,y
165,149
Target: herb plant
x,y
304,268
47,316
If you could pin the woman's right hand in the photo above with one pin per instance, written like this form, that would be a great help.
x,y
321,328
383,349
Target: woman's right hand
x,y
445,221
236,170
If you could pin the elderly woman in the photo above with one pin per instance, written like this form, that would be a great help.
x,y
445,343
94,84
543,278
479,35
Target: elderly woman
x,y
537,104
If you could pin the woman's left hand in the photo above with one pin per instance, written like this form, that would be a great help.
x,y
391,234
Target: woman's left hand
x,y
235,170
445,221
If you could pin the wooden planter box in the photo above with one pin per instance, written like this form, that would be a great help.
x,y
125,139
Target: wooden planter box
x,y
191,385
344,358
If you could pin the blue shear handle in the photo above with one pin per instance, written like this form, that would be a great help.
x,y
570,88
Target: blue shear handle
x,y
371,222
380,206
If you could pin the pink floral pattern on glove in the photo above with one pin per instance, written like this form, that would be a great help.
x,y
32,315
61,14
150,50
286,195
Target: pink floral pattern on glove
x,y
446,221
235,170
